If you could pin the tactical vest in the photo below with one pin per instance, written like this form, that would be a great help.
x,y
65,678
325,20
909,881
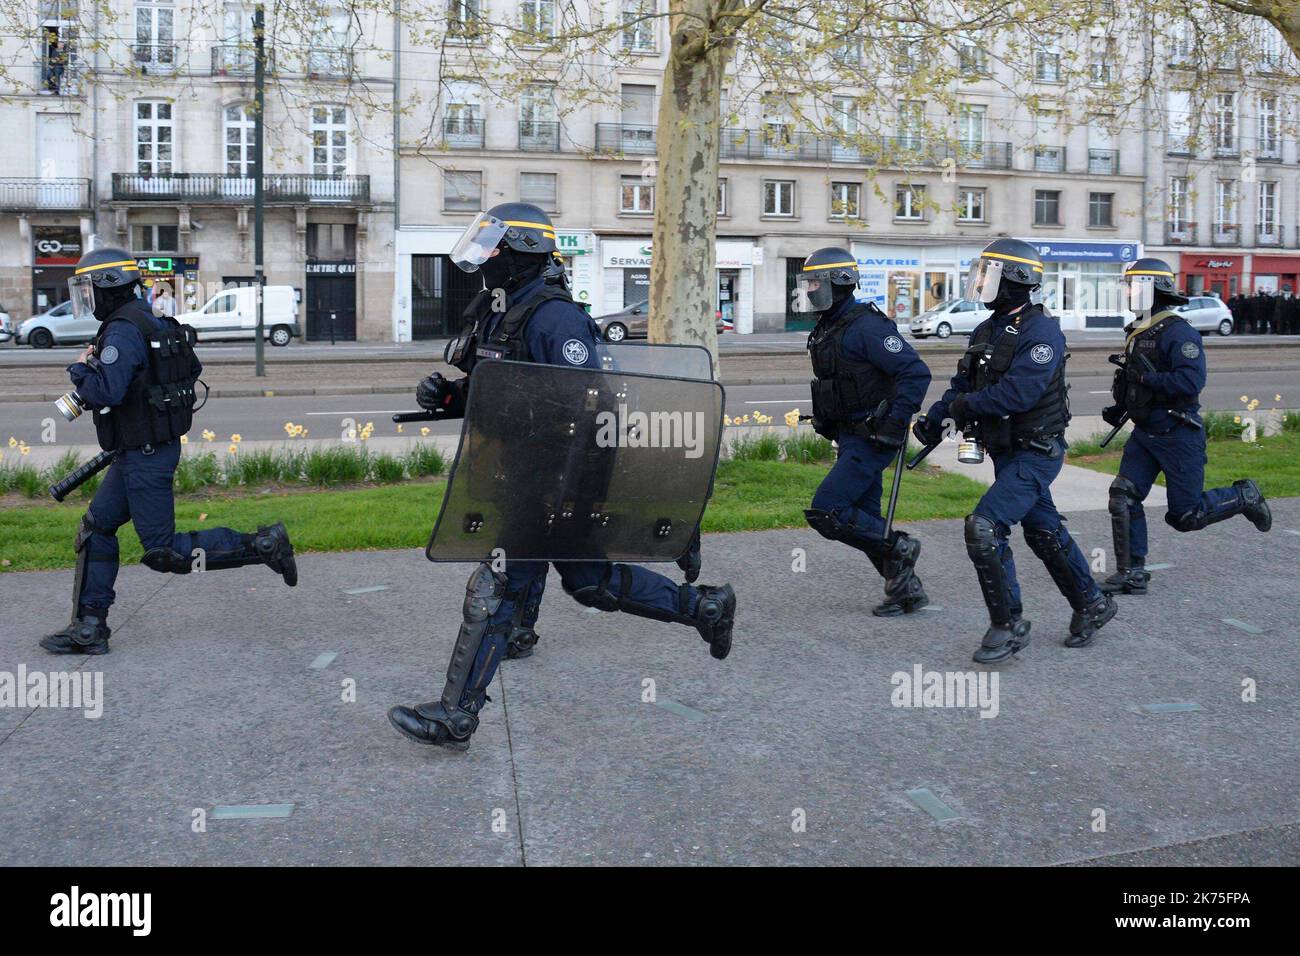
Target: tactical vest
x,y
985,362
1141,400
842,387
159,402
506,341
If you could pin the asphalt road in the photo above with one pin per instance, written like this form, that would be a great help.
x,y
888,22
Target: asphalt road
x,y
324,415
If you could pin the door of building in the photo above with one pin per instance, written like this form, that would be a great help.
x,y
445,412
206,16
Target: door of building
x,y
728,295
440,293
331,307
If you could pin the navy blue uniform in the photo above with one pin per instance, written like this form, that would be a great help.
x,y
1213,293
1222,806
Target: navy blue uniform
x,y
138,485
1023,473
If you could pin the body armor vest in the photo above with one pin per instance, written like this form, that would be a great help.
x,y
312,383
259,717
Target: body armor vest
x,y
506,340
1141,400
159,403
986,361
843,387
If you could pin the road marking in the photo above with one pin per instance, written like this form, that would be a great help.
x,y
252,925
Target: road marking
x,y
1104,391
932,607
932,805
369,590
324,660
1289,531
1158,567
775,401
348,411
681,710
253,811
1248,628
1175,708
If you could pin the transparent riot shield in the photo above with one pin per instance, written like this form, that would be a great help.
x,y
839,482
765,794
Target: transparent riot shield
x,y
560,463
675,361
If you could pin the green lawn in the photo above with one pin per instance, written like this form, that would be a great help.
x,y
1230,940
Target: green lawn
x,y
750,495
1273,462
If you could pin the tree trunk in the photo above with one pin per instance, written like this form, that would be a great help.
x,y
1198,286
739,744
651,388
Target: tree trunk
x,y
683,279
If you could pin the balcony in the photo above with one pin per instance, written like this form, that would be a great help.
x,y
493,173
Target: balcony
x,y
1268,234
979,154
61,74
1103,162
36,195
1226,234
629,138
333,63
158,57
237,59
1049,159
539,137
463,132
221,188
1269,151
1180,233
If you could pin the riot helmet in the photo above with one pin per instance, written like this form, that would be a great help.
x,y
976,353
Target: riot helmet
x,y
1005,274
828,277
102,281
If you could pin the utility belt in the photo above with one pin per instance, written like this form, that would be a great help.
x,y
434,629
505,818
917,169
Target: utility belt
x,y
997,436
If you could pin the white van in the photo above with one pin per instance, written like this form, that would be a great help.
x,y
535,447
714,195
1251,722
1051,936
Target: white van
x,y
232,314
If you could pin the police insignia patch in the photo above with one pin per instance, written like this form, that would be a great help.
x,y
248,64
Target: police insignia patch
x,y
1041,354
575,352
893,343
1191,350
109,355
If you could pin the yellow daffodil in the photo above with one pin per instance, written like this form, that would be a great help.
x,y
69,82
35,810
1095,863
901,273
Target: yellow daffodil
x,y
236,438
1244,399
13,442
399,429
1236,419
792,417
208,435
424,431
24,449
185,439
233,449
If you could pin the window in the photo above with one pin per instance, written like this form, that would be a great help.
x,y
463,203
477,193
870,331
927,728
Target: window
x,y
329,140
1180,42
331,240
1049,156
1101,210
155,37
972,59
1047,207
846,200
463,18
329,53
778,197
59,58
909,202
911,123
971,123
238,140
1179,203
1101,54
970,205
538,128
1267,217
1225,123
537,18
908,53
846,47
155,238
1047,62
1180,121
1225,206
639,26
722,197
153,137
638,195
1269,146
462,190
540,189
462,122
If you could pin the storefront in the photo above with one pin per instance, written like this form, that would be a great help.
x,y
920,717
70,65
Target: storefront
x,y
905,281
1202,273
431,293
1081,280
55,250
625,281
1277,275
174,276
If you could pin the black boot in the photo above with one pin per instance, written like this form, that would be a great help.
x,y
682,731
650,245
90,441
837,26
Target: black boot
x,y
433,724
276,552
85,634
1253,505
1085,624
1002,641
1008,632
521,642
1133,580
1130,576
715,615
691,562
904,592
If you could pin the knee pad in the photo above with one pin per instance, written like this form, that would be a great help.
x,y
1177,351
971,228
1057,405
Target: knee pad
x,y
1123,496
1045,542
823,522
483,594
596,595
166,561
1193,520
981,537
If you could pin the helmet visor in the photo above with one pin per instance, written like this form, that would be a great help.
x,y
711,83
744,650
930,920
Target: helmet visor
x,y
82,295
478,242
983,281
1138,293
812,293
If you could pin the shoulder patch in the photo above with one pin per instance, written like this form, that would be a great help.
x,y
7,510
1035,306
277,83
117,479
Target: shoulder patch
x,y
109,355
1042,354
575,352
1191,350
893,343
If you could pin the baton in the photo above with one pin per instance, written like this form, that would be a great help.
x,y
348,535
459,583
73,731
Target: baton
x,y
417,417
898,481
79,476
921,455
1114,431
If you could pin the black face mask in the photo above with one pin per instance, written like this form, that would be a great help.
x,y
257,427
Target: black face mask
x,y
1011,295
108,301
1163,301
511,270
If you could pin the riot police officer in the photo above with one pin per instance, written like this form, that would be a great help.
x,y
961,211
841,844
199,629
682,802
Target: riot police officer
x,y
139,375
1010,392
1158,387
525,313
868,382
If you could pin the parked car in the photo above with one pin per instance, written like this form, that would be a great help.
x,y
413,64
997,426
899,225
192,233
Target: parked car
x,y
56,327
1207,313
6,325
955,315
633,322
232,314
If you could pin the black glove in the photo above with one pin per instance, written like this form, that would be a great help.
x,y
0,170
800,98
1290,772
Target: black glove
x,y
890,432
1112,415
958,412
691,561
436,394
928,432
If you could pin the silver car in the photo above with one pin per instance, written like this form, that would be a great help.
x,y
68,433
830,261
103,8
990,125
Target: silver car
x,y
56,327
6,325
955,315
1207,313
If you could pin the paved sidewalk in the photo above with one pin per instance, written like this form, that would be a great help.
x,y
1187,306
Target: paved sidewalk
x,y
221,691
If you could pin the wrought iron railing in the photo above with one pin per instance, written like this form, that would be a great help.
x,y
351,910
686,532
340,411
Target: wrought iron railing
x,y
219,187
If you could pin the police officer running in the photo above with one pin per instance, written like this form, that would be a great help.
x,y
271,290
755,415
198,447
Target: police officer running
x,y
139,375
1158,387
525,313
861,366
1010,392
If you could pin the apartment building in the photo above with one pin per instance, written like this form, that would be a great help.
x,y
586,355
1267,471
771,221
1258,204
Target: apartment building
x,y
132,121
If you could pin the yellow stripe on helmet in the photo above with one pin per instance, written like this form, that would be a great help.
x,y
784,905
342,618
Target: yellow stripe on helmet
x,y
1148,272
1038,266
544,226
126,265
830,265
